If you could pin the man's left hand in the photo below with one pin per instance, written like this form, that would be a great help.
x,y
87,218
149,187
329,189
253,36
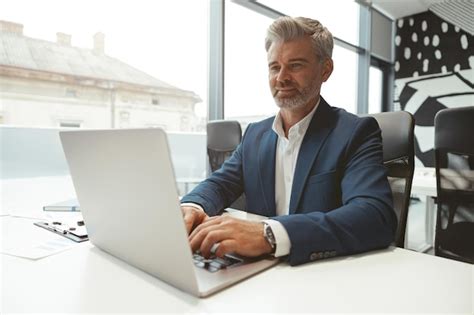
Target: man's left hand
x,y
233,235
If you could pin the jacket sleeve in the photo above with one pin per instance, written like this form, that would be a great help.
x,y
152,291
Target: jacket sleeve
x,y
365,220
223,187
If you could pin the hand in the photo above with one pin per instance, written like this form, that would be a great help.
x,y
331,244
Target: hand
x,y
192,217
233,235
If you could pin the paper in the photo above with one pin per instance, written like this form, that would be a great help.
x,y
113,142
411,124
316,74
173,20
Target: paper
x,y
21,238
41,250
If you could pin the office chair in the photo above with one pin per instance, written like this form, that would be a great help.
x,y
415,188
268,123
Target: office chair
x,y
454,161
398,156
223,137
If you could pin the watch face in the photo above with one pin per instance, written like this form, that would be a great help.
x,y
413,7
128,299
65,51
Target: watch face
x,y
269,235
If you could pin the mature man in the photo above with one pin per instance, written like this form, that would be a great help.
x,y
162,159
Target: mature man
x,y
315,170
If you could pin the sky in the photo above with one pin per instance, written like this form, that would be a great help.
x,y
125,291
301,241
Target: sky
x,y
166,39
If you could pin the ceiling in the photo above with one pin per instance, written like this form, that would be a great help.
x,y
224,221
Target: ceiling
x,y
456,12
400,8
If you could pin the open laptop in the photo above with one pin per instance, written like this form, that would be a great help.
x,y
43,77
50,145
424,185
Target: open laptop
x,y
125,183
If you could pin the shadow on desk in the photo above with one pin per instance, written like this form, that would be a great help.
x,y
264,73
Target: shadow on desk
x,y
105,277
119,267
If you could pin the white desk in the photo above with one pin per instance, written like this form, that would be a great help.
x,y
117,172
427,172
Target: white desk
x,y
85,279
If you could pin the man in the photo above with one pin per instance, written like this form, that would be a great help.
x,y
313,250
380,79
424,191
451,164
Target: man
x,y
315,170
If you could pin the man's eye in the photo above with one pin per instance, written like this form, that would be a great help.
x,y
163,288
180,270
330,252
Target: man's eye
x,y
296,66
274,69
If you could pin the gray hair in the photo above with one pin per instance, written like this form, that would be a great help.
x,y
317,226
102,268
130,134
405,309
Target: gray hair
x,y
288,28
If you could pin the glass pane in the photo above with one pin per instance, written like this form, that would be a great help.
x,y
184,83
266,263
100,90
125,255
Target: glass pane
x,y
340,17
375,89
340,89
247,94
102,64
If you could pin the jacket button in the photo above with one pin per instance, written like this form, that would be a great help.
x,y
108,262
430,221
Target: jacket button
x,y
333,253
320,255
313,256
327,254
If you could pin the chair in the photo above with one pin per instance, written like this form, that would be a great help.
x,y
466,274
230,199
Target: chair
x,y
454,161
398,156
223,137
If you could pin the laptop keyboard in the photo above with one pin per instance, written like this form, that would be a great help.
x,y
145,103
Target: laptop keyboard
x,y
214,263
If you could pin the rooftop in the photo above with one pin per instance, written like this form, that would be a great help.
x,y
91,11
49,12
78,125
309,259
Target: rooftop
x,y
19,51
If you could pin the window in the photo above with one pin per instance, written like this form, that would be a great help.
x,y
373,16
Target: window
x,y
124,119
379,97
108,64
375,90
247,95
340,89
340,17
145,53
71,93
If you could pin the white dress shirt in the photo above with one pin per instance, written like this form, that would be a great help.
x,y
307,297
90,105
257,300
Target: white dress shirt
x,y
287,151
286,155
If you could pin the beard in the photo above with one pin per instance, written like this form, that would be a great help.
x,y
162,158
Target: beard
x,y
301,99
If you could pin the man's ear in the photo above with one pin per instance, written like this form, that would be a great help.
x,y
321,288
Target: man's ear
x,y
328,66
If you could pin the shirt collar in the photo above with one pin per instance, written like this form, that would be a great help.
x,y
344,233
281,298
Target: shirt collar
x,y
299,128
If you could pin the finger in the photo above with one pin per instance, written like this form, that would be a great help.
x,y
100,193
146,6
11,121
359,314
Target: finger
x,y
196,240
226,247
188,222
205,224
211,239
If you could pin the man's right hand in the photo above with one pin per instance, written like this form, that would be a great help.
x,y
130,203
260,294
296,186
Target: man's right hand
x,y
193,217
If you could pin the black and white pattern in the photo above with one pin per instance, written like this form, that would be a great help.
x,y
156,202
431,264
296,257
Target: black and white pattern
x,y
434,69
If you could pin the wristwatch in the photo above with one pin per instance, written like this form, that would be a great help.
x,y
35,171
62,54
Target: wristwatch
x,y
269,236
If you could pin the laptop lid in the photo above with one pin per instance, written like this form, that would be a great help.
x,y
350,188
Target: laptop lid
x,y
125,184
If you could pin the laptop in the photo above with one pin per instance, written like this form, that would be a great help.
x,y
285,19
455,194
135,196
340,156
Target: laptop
x,y
125,183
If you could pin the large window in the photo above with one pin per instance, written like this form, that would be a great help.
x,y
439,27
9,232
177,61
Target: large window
x,y
247,94
102,64
340,89
246,91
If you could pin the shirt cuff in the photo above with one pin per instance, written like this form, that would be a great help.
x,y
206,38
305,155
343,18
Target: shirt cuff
x,y
283,244
194,205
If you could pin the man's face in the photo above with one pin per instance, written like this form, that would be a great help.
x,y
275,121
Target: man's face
x,y
295,73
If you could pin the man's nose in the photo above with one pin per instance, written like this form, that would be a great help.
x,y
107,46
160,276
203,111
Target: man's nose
x,y
283,76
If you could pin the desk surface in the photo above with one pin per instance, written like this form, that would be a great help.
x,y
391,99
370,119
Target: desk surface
x,y
85,279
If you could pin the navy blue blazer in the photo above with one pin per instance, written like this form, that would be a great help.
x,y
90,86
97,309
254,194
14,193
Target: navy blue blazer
x,y
341,202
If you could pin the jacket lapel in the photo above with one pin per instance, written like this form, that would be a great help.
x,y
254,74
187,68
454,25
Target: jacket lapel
x,y
318,130
266,161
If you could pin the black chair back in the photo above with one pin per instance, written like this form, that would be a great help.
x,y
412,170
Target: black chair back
x,y
454,160
223,137
399,158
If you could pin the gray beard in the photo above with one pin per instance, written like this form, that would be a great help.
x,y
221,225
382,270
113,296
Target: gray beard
x,y
290,102
297,101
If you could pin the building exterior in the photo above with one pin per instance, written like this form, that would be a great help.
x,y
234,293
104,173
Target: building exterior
x,y
53,84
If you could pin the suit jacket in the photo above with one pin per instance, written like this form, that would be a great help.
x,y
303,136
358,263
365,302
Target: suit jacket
x,y
341,202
